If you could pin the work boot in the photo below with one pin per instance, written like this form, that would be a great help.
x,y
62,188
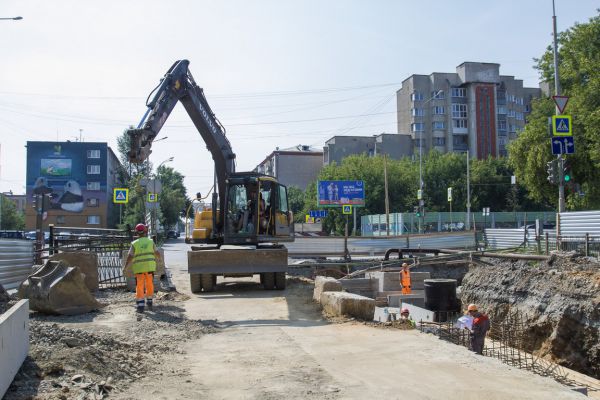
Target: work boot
x,y
149,304
139,306
139,310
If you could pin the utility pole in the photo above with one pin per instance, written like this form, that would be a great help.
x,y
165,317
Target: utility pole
x,y
468,224
561,185
387,202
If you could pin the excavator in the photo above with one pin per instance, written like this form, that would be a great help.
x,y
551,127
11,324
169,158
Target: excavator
x,y
249,217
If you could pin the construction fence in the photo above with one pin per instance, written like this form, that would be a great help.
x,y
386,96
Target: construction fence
x,y
16,260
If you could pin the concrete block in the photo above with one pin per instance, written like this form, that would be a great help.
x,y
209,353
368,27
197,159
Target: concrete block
x,y
87,263
385,314
348,304
360,286
14,342
325,284
417,297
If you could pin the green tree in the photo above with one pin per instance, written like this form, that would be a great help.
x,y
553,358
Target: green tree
x,y
579,58
173,196
10,217
296,202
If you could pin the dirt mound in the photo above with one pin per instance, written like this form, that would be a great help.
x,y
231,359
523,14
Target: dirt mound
x,y
93,355
560,300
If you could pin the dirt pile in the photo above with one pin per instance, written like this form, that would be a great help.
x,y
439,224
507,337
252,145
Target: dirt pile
x,y
93,355
560,300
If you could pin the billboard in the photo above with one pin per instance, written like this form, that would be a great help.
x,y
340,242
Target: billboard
x,y
56,166
339,193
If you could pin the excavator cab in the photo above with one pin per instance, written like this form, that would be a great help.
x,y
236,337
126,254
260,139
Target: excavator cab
x,y
256,210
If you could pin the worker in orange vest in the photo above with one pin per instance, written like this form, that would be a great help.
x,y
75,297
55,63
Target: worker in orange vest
x,y
405,279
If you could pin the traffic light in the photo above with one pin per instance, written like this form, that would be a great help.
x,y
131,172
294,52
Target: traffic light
x,y
566,173
418,211
551,168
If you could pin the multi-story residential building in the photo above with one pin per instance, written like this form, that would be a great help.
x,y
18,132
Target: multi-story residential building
x,y
394,145
18,199
78,178
296,166
474,109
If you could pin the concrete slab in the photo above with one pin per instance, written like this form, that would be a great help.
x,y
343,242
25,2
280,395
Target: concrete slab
x,y
348,304
325,284
417,297
14,342
385,314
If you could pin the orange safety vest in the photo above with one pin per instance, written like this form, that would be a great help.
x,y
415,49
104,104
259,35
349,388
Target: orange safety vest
x,y
405,281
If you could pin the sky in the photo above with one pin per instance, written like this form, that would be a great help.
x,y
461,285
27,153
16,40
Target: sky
x,y
277,73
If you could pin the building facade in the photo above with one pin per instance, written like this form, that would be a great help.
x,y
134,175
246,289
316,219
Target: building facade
x,y
394,145
474,109
78,179
296,166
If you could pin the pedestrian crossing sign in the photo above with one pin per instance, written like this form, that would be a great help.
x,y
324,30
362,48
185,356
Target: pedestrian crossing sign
x,y
561,125
346,209
152,197
120,195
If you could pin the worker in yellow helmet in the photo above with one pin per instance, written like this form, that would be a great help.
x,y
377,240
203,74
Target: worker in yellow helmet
x,y
142,258
405,279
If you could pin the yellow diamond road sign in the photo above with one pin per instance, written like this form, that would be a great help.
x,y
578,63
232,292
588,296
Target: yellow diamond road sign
x,y
346,209
120,195
561,125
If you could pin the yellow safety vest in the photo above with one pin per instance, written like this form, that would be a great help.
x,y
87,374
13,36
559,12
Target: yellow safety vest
x,y
143,258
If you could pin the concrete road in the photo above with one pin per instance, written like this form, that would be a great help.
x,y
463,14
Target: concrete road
x,y
274,344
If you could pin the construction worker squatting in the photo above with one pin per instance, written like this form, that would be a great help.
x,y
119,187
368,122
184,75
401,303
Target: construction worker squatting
x,y
142,257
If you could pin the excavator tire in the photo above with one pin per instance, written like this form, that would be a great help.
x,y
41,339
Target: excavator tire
x,y
208,282
269,280
280,280
196,283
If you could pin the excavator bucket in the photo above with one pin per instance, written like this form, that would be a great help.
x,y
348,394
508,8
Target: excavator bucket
x,y
57,288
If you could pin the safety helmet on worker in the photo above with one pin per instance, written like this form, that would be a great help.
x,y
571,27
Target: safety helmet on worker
x,y
404,311
141,228
472,307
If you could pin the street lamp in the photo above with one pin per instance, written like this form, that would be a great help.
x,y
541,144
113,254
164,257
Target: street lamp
x,y
421,198
12,18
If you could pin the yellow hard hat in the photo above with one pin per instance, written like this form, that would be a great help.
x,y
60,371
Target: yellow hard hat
x,y
472,307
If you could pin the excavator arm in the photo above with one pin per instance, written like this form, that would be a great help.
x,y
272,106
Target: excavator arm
x,y
179,85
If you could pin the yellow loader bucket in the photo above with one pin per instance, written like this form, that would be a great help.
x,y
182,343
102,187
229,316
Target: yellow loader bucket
x,y
57,288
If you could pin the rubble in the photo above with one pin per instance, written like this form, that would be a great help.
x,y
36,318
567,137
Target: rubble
x,y
93,355
559,299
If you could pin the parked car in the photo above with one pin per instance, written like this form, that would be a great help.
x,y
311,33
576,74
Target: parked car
x,y
172,234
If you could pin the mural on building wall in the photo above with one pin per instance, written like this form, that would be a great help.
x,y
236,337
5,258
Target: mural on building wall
x,y
61,172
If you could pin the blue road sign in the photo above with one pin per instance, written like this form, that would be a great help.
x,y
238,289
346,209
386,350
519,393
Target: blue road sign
x,y
563,145
317,213
561,125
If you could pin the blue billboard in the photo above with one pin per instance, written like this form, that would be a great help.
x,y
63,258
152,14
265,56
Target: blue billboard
x,y
339,193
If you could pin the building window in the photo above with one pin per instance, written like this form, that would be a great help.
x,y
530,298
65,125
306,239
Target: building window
x,y
93,154
93,202
511,113
519,116
60,219
502,110
417,112
439,110
93,220
527,108
459,92
93,186
439,141
93,169
438,95
416,127
439,125
418,142
459,110
459,140
416,96
459,123
502,125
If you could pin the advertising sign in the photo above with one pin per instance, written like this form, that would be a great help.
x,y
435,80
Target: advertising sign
x,y
339,193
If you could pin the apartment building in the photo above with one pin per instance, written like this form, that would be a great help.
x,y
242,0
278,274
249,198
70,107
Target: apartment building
x,y
394,145
295,166
78,179
474,109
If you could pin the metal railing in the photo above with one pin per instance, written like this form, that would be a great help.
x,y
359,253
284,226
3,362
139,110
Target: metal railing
x,y
16,260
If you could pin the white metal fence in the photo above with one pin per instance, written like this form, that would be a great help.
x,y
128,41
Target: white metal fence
x,y
579,223
16,260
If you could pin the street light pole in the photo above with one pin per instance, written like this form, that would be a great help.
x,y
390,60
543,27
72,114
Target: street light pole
x,y
561,186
